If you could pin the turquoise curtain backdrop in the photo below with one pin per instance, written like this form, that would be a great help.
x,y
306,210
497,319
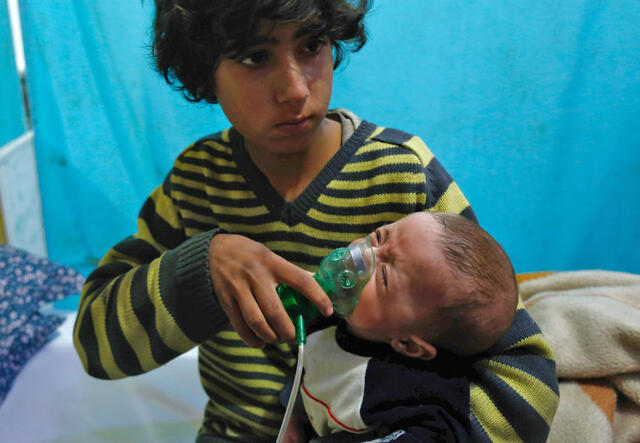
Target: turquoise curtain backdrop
x,y
533,107
12,117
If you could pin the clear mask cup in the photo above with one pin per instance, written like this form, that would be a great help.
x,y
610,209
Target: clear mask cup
x,y
344,273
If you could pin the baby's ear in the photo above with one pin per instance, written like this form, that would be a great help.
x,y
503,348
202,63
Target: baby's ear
x,y
414,347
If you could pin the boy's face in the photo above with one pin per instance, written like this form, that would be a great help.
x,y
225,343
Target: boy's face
x,y
410,281
277,92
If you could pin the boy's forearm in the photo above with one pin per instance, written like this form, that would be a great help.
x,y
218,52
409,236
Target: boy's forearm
x,y
145,303
442,194
514,395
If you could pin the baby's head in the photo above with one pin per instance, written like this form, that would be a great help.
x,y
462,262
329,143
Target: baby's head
x,y
440,281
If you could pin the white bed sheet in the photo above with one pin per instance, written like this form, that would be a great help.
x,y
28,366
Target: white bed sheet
x,y
54,400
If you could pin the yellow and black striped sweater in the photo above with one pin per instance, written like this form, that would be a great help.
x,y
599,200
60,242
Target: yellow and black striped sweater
x,y
151,298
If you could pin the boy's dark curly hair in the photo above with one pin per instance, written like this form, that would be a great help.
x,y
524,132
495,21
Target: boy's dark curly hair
x,y
190,36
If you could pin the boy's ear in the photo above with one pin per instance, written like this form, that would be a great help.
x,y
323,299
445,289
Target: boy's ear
x,y
414,347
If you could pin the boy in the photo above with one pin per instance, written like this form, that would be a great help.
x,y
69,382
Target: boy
x,y
252,206
443,291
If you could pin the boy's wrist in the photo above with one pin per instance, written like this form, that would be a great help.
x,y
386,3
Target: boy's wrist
x,y
195,306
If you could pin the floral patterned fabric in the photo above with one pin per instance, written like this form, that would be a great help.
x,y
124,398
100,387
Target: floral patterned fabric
x,y
27,283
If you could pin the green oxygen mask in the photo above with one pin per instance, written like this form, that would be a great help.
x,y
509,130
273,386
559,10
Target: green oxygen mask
x,y
342,275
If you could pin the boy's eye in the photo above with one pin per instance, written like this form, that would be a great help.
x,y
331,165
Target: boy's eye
x,y
253,59
315,44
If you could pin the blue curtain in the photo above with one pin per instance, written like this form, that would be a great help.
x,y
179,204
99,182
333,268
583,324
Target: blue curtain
x,y
534,108
12,116
106,127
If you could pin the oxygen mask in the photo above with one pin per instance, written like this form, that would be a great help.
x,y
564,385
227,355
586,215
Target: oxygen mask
x,y
342,275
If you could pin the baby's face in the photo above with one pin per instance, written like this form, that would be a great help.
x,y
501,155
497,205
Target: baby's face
x,y
409,282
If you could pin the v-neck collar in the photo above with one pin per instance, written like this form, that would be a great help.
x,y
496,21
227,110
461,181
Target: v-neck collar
x,y
293,212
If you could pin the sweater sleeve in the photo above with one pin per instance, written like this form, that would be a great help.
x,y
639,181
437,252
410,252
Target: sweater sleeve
x,y
514,392
150,299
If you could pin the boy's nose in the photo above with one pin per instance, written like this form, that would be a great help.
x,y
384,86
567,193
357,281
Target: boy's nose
x,y
291,83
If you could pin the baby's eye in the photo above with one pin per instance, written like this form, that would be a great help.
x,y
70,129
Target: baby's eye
x,y
384,275
255,58
378,236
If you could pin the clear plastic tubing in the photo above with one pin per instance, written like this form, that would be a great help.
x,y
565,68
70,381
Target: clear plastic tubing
x,y
294,394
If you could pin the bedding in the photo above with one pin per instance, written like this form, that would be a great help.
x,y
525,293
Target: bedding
x,y
27,283
54,400
45,394
591,320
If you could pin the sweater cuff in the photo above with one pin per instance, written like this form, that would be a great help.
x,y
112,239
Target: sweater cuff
x,y
196,308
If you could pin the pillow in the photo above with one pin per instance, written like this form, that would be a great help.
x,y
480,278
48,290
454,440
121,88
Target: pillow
x,y
27,283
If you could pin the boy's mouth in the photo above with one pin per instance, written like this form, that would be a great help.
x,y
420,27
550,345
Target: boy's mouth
x,y
295,124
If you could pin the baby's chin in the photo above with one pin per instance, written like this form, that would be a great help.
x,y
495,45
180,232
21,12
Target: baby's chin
x,y
352,326
365,334
352,329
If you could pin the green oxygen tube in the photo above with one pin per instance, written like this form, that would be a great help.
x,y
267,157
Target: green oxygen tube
x,y
342,275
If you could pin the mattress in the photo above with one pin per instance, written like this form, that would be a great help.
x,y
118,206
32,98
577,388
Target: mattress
x,y
54,400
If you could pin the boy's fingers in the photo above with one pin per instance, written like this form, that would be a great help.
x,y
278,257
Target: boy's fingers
x,y
244,331
247,335
230,297
273,311
304,283
254,318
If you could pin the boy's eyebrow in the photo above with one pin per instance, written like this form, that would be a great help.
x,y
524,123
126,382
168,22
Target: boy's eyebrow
x,y
310,28
261,40
304,30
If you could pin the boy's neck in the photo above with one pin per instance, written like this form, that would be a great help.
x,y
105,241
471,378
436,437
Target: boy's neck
x,y
290,174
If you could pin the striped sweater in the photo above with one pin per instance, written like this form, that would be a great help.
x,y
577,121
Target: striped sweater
x,y
151,298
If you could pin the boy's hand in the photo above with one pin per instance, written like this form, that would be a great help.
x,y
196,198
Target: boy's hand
x,y
245,274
